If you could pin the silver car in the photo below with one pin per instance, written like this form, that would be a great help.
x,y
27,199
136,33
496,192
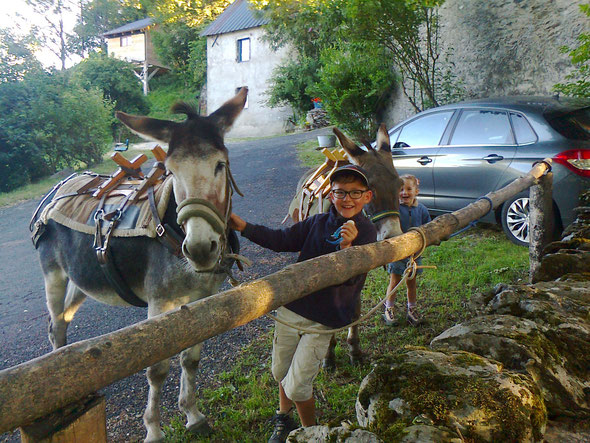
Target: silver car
x,y
462,151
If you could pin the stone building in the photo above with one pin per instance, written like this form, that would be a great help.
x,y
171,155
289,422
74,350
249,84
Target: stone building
x,y
238,56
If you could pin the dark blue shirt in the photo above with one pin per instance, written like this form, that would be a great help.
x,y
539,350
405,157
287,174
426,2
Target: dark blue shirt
x,y
412,216
333,306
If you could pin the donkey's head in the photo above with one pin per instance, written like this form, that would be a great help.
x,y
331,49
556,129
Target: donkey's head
x,y
198,161
383,180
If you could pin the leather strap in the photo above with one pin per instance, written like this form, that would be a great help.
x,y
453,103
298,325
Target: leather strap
x,y
166,235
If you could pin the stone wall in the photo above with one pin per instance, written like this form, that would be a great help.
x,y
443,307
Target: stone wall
x,y
505,47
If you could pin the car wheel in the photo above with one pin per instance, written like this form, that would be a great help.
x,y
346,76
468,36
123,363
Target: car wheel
x,y
515,220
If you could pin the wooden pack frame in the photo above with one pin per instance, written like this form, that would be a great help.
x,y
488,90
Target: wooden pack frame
x,y
317,186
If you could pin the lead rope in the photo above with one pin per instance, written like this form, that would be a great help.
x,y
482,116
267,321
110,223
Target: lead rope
x,y
409,272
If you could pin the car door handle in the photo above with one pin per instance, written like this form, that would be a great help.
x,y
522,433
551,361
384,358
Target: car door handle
x,y
492,158
424,160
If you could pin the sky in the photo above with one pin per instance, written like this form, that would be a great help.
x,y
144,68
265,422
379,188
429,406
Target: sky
x,y
9,19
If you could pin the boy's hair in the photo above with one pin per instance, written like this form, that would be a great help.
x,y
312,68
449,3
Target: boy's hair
x,y
411,178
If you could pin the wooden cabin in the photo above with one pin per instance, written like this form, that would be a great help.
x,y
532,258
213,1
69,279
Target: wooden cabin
x,y
132,42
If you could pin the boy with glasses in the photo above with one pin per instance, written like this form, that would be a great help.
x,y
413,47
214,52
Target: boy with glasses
x,y
296,355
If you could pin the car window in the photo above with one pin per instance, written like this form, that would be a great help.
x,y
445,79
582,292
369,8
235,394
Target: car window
x,y
426,130
393,137
483,127
522,129
574,125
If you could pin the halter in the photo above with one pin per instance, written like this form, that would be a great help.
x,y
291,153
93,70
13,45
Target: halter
x,y
198,207
383,214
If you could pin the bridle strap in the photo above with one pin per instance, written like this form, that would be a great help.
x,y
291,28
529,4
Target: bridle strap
x,y
384,214
198,207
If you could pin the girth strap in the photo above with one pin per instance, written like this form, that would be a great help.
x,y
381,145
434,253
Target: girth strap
x,y
116,280
105,259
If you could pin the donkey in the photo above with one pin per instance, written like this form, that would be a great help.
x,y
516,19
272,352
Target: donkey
x,y
198,161
383,209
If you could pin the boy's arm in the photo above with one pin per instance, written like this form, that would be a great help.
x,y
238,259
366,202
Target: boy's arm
x,y
279,240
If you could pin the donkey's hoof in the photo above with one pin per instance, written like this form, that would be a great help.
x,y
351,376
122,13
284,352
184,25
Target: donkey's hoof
x,y
328,364
201,429
357,359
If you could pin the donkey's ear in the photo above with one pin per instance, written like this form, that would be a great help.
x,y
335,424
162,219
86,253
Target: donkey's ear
x,y
225,116
349,146
383,143
148,127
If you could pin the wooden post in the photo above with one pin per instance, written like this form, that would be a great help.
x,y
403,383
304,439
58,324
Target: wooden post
x,y
80,422
540,221
76,370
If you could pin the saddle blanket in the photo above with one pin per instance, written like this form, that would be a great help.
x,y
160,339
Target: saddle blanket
x,y
77,211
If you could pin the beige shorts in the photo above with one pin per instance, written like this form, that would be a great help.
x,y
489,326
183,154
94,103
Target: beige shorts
x,y
296,356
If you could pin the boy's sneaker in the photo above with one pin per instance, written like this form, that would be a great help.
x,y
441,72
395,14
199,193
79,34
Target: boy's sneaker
x,y
284,424
389,316
413,316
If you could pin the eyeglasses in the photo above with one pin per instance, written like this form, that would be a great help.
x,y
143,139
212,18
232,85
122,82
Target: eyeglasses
x,y
355,194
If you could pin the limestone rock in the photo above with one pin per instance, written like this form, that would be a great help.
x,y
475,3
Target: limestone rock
x,y
455,390
523,345
341,434
429,434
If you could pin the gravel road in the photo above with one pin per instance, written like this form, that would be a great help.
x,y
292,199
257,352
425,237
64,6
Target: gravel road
x,y
266,171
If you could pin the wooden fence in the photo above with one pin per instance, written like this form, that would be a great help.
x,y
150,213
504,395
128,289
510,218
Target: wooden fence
x,y
41,386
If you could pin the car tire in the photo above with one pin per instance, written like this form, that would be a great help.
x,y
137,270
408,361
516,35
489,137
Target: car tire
x,y
515,220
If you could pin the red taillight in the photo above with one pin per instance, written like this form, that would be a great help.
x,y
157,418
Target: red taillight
x,y
576,160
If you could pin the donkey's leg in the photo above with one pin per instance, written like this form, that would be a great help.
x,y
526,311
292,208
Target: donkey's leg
x,y
354,344
354,349
329,362
187,399
55,294
156,375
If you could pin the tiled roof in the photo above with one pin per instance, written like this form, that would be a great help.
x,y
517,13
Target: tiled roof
x,y
236,17
129,27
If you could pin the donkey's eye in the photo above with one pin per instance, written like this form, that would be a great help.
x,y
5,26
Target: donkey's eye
x,y
219,167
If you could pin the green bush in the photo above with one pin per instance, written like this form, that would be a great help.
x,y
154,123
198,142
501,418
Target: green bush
x,y
47,124
354,83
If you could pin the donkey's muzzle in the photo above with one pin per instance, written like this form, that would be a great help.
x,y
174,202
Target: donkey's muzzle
x,y
205,231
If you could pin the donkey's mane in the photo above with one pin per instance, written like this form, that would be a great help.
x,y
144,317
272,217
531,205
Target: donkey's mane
x,y
182,107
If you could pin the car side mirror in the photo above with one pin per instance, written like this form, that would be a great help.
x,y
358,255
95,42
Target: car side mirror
x,y
400,145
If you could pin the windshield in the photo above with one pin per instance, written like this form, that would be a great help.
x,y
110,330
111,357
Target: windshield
x,y
574,125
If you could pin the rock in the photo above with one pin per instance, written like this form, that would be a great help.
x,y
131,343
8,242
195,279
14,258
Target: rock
x,y
428,434
455,390
342,434
565,261
523,345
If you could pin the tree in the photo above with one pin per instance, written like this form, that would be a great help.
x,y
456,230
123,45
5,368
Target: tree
x,y
579,84
16,56
355,82
181,47
409,29
53,37
116,80
193,13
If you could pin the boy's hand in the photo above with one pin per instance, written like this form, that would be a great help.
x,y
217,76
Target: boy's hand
x,y
348,234
236,222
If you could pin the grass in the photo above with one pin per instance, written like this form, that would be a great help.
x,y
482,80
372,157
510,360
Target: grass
x,y
245,397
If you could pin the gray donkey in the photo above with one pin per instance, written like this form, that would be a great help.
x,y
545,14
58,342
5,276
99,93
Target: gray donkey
x,y
198,162
383,209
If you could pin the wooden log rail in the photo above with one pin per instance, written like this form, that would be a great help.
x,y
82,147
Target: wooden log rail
x,y
38,387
